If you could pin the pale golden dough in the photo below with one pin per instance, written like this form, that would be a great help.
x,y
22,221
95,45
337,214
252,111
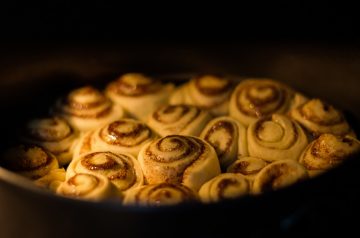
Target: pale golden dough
x,y
163,194
228,137
87,108
276,138
180,160
138,94
54,134
328,151
206,91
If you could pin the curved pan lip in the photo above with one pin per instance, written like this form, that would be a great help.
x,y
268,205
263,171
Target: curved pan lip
x,y
16,180
27,185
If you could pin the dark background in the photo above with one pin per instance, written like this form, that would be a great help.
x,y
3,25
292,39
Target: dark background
x,y
214,35
63,22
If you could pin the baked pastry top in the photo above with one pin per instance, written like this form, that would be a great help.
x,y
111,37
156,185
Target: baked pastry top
x,y
147,142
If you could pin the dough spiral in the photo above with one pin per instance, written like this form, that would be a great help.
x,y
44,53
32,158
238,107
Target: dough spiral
x,y
278,175
276,138
89,187
87,108
30,161
249,167
224,186
319,117
257,98
52,180
54,134
122,170
163,194
205,91
179,119
228,137
138,94
179,160
328,151
121,136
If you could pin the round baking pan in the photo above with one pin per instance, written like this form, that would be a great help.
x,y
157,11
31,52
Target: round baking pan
x,y
32,79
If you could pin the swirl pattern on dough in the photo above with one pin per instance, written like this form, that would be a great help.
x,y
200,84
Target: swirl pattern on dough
x,y
249,167
30,161
206,91
121,136
256,98
121,169
328,151
162,194
228,137
224,186
89,187
138,94
179,119
87,108
278,175
52,180
179,160
319,117
54,134
276,138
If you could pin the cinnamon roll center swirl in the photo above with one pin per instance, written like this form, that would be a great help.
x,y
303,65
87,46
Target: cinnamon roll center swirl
x,y
334,149
270,131
221,136
117,168
210,85
27,158
99,161
85,102
82,184
173,148
225,185
258,100
173,113
279,176
85,98
48,129
246,168
321,113
163,194
135,85
277,132
125,133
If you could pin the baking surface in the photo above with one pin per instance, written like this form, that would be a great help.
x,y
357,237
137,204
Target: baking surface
x,y
32,81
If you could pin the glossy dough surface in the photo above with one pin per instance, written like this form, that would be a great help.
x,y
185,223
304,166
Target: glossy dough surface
x,y
144,141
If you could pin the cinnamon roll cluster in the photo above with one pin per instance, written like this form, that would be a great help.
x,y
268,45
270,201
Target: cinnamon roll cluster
x,y
144,142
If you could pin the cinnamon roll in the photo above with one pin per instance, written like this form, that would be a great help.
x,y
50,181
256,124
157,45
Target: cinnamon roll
x,y
162,194
121,136
52,180
138,94
89,187
256,98
87,108
121,169
224,186
278,175
319,117
328,151
30,161
249,167
180,160
54,134
206,91
228,137
276,138
179,119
